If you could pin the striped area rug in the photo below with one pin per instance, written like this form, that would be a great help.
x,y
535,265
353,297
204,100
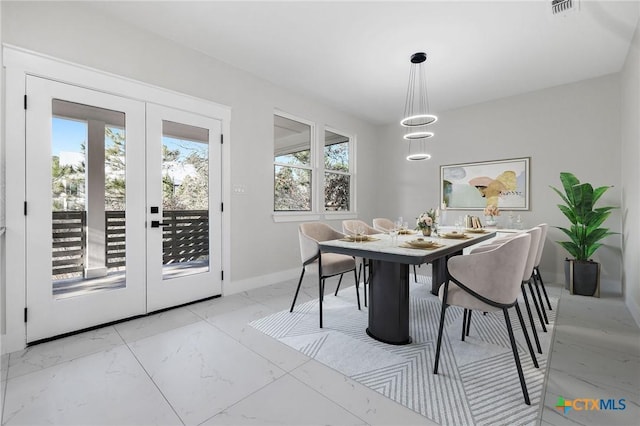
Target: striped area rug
x,y
477,382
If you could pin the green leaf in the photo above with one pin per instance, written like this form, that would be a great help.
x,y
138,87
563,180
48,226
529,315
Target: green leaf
x,y
571,234
597,193
572,248
564,198
583,196
592,250
568,182
568,212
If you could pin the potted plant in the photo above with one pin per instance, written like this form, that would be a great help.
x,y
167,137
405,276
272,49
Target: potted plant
x,y
582,274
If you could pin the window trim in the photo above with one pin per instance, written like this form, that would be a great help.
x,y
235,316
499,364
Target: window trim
x,y
317,211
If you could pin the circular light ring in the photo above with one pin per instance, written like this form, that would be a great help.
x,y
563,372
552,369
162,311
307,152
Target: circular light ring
x,y
418,157
418,57
418,135
418,120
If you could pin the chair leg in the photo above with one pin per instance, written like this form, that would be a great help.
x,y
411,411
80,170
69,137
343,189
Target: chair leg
x,y
439,345
533,325
523,384
537,306
339,282
355,274
321,290
297,290
536,273
464,323
415,274
526,337
469,322
364,285
544,312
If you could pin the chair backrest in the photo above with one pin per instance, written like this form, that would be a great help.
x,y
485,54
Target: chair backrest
x,y
312,233
535,233
349,227
383,224
543,236
495,274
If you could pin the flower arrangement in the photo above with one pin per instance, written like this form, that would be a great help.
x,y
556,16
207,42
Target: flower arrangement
x,y
492,210
426,219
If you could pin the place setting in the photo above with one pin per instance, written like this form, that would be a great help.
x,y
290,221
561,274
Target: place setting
x,y
421,243
359,238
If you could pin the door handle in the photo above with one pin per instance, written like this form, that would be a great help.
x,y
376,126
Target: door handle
x,y
157,224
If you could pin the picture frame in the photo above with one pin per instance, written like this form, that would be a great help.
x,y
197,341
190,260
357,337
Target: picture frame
x,y
474,186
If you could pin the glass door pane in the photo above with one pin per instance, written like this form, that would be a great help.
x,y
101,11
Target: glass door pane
x,y
185,200
184,261
88,177
85,265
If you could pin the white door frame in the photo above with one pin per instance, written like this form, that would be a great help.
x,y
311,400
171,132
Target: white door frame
x,y
19,63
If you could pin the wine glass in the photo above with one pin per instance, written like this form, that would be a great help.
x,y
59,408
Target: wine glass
x,y
394,232
458,224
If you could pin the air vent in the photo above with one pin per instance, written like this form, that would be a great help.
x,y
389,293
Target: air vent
x,y
563,6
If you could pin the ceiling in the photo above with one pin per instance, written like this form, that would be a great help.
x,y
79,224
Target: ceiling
x,y
354,56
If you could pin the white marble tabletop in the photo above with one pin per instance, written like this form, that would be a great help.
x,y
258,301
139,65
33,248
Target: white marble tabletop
x,y
383,246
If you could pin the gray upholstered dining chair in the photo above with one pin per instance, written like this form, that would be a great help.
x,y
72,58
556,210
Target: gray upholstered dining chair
x,y
326,264
489,281
536,269
383,224
535,233
353,227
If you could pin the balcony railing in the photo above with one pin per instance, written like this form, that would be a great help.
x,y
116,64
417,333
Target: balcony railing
x,y
184,239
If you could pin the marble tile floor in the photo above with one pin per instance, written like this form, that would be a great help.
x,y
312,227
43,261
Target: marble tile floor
x,y
202,364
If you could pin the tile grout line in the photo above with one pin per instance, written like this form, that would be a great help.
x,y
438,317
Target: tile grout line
x,y
325,396
84,355
550,358
286,373
151,378
247,396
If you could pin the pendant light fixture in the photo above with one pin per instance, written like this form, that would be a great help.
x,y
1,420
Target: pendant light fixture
x,y
416,109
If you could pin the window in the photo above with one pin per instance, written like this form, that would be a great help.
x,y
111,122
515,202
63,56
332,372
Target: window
x,y
337,172
292,161
310,177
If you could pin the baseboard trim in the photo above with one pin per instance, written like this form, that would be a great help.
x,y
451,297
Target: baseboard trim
x,y
259,281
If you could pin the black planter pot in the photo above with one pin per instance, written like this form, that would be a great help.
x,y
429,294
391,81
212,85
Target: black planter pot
x,y
582,277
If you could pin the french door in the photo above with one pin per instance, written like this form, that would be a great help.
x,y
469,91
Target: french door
x,y
98,168
183,207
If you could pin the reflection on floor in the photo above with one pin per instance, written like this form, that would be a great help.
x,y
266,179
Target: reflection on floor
x,y
203,364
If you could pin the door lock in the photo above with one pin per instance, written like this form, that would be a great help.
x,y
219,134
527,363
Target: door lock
x,y
157,224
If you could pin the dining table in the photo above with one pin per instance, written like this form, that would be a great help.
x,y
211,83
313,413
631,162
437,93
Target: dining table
x,y
389,259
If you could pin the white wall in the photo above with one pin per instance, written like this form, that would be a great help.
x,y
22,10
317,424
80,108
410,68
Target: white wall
x,y
575,128
630,89
76,33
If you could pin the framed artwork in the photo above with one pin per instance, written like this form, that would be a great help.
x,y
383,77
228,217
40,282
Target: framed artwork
x,y
474,186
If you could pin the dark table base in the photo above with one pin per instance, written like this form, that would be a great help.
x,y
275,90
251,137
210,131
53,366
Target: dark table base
x,y
389,302
439,272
